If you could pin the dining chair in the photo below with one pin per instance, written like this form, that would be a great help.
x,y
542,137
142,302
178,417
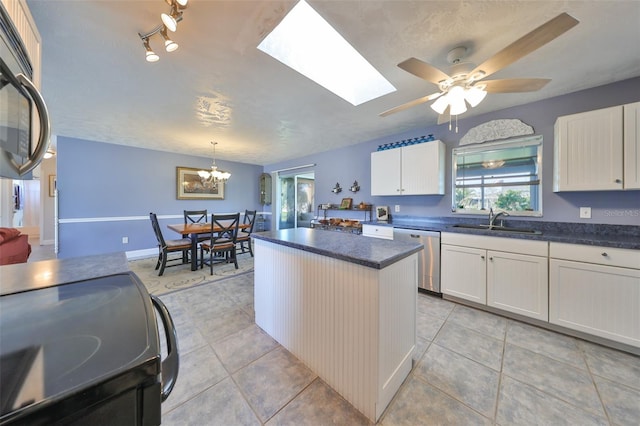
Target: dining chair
x,y
196,216
222,244
244,235
165,247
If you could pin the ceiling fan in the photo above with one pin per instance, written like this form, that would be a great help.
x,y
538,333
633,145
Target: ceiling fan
x,y
465,84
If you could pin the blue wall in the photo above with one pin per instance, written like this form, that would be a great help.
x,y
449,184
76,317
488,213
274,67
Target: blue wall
x,y
610,207
106,192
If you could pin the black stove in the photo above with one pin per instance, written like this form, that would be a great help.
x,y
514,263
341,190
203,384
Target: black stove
x,y
86,352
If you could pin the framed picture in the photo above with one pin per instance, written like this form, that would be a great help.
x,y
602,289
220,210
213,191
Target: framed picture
x,y
52,185
190,187
382,213
346,203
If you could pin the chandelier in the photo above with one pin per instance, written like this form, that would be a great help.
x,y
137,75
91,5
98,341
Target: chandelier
x,y
210,179
169,22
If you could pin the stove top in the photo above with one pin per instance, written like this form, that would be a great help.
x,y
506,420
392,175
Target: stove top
x,y
59,340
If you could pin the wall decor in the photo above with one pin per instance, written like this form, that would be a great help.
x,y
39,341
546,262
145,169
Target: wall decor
x,y
346,203
52,185
189,186
495,130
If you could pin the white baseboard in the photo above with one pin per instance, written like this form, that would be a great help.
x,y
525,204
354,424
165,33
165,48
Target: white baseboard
x,y
142,254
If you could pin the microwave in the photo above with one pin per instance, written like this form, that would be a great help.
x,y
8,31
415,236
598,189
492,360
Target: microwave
x,y
24,119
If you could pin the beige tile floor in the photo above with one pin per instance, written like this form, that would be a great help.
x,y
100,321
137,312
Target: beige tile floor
x,y
471,367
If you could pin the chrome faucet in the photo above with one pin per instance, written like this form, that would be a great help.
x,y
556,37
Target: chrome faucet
x,y
493,217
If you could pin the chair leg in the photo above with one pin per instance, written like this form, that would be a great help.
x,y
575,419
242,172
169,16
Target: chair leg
x,y
250,249
159,260
211,253
164,263
235,258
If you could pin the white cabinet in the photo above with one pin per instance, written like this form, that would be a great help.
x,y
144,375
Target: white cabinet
x,y
20,15
410,170
597,150
596,290
518,283
504,273
384,232
468,282
632,146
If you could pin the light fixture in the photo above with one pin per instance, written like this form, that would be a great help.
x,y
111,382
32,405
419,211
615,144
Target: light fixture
x,y
210,179
169,45
151,56
169,22
49,154
355,187
336,188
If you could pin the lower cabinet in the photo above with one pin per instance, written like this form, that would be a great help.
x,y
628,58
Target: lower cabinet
x,y
504,273
518,283
596,290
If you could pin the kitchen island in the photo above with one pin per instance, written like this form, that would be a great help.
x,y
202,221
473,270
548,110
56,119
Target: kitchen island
x,y
343,304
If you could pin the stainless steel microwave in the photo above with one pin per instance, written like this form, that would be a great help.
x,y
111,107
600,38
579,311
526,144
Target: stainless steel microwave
x,y
24,120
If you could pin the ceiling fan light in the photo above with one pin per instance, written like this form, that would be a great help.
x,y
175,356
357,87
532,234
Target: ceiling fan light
x,y
440,105
182,3
474,96
170,46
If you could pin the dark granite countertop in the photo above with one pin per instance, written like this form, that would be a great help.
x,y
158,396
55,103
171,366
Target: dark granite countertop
x,y
46,273
371,252
620,236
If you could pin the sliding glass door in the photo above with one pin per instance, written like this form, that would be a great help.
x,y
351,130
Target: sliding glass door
x,y
296,202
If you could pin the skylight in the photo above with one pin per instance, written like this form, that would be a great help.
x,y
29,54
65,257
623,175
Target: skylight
x,y
307,43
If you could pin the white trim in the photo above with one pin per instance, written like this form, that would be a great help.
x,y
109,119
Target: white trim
x,y
141,254
128,218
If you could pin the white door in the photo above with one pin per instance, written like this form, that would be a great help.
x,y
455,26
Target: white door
x,y
385,172
463,273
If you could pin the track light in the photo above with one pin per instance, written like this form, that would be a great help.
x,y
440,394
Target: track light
x,y
169,45
169,22
150,54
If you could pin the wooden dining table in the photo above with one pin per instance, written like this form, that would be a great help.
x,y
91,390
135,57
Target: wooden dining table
x,y
196,229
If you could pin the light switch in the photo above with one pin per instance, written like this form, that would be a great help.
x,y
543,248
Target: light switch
x,y
585,212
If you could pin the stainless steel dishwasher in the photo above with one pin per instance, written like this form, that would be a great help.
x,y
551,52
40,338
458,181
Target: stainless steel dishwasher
x,y
428,259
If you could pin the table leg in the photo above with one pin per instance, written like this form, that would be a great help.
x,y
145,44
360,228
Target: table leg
x,y
194,252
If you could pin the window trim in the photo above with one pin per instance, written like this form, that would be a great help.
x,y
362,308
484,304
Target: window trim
x,y
534,140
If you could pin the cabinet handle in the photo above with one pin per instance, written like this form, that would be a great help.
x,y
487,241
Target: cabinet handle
x,y
491,258
397,190
482,257
604,254
618,180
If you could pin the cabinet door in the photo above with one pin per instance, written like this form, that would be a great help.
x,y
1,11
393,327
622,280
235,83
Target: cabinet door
x,y
385,172
423,169
588,151
632,146
463,273
596,299
518,283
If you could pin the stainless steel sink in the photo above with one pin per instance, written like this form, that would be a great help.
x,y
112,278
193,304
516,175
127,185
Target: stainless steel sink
x,y
507,229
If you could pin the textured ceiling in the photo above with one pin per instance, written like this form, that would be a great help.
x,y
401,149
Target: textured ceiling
x,y
219,86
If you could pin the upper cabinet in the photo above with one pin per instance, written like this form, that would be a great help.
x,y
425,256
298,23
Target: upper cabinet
x,y
598,150
21,18
409,170
632,146
265,188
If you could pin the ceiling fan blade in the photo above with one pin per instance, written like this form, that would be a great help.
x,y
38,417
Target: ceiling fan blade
x,y
423,70
411,104
514,85
527,44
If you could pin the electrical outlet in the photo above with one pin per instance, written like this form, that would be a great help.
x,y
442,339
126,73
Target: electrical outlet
x,y
397,209
125,240
585,212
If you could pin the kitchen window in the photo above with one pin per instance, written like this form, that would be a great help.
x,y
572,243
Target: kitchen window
x,y
503,176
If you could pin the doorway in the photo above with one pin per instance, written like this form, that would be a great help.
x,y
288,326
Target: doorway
x,y
296,201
